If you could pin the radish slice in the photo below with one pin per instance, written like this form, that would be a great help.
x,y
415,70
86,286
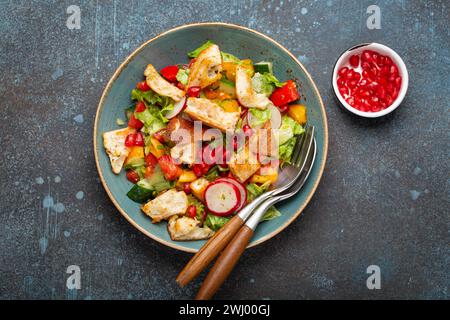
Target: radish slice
x,y
242,190
222,198
177,108
275,118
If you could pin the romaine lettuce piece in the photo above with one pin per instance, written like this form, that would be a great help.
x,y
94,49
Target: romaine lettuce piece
x,y
196,52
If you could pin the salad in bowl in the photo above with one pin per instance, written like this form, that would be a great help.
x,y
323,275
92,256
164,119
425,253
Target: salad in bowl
x,y
205,138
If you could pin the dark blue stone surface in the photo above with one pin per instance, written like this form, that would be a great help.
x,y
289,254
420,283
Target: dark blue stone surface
x,y
383,200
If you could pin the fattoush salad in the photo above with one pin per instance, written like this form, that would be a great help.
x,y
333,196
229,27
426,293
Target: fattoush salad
x,y
205,138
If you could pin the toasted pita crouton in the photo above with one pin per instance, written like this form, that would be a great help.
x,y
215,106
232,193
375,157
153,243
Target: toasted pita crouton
x,y
206,68
161,85
211,114
114,143
245,93
185,229
171,202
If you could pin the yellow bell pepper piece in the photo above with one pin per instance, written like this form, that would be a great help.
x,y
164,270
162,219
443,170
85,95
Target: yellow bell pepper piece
x,y
248,64
230,105
187,176
230,70
136,152
198,188
156,148
298,113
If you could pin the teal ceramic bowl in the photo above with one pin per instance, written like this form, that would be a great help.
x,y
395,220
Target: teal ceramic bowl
x,y
171,47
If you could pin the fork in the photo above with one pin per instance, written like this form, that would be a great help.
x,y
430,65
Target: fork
x,y
222,237
233,251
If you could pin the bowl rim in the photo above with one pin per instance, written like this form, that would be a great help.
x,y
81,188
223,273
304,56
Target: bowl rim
x,y
117,72
401,65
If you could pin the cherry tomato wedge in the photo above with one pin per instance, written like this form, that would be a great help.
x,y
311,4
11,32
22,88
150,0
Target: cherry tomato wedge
x,y
285,94
132,176
140,106
143,86
135,123
169,168
150,160
170,73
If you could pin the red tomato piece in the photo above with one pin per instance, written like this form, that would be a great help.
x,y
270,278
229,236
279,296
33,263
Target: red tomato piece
x,y
132,176
285,94
201,169
135,123
140,106
143,86
170,73
150,160
169,168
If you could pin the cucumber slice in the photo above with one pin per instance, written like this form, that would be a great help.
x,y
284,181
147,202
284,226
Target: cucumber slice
x,y
140,194
263,67
134,163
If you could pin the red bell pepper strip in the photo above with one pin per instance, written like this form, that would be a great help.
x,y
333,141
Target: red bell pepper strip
x,y
285,94
170,73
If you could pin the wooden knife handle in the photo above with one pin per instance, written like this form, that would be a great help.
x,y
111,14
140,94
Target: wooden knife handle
x,y
225,264
209,251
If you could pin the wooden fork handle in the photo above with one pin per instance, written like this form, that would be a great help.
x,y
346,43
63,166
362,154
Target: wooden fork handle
x,y
225,264
209,251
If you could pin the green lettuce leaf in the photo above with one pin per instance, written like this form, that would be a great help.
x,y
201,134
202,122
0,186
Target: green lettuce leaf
x,y
289,128
254,190
259,117
215,222
153,118
196,52
183,75
228,57
270,214
265,83
285,150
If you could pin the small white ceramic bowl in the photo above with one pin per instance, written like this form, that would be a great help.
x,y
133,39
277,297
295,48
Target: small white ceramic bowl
x,y
384,50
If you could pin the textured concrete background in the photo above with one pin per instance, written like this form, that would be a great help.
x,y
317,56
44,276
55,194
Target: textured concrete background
x,y
383,200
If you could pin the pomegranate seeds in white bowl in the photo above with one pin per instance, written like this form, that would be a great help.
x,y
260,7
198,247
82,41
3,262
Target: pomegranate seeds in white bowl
x,y
370,80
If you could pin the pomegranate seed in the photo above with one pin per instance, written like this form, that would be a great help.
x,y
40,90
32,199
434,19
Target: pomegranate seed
x,y
349,74
381,92
354,61
365,65
139,140
381,60
398,82
393,70
132,176
247,130
341,82
193,92
388,100
344,91
352,84
388,61
351,101
357,76
389,87
367,56
343,71
192,211
187,188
